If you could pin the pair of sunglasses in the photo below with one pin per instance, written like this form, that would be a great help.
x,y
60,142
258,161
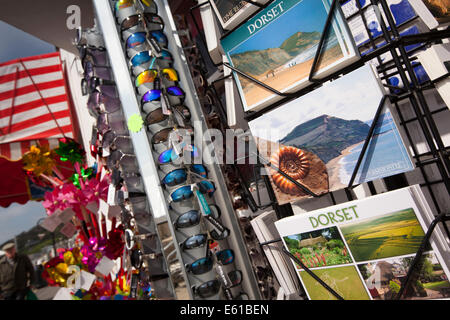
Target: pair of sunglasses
x,y
98,56
179,176
92,70
149,76
164,134
194,242
169,156
200,240
111,125
193,217
125,161
110,137
212,287
89,38
209,102
205,264
137,258
93,84
123,4
139,38
150,20
185,192
157,116
99,102
131,237
133,183
146,56
148,6
155,94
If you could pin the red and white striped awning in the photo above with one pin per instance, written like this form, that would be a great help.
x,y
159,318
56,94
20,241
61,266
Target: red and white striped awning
x,y
34,105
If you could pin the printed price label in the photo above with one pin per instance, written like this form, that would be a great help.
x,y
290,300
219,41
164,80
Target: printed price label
x,y
165,105
204,207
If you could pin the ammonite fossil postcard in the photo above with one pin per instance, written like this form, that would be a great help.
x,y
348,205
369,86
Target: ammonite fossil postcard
x,y
317,139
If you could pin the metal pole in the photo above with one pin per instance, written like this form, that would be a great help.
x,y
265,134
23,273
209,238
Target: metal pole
x,y
54,243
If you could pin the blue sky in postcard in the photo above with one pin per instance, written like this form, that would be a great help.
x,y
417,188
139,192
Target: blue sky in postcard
x,y
308,16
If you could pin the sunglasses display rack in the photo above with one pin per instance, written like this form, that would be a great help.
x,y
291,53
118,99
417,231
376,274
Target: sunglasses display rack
x,y
389,49
128,206
209,86
155,87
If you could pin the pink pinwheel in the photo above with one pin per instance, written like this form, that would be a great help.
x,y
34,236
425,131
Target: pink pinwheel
x,y
67,195
51,202
94,190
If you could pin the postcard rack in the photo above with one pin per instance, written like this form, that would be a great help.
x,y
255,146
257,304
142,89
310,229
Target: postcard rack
x,y
146,158
413,93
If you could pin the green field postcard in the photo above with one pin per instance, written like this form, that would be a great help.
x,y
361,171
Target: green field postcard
x,y
363,249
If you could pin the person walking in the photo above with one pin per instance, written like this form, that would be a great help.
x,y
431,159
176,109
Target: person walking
x,y
16,274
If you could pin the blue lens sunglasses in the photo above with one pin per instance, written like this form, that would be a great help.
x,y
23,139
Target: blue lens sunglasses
x,y
185,192
179,176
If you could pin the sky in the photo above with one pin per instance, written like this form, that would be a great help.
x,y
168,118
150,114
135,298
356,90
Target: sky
x,y
355,96
286,25
18,44
17,218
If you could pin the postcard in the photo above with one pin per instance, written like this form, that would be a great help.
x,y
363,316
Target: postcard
x,y
401,11
433,12
278,45
232,12
364,249
318,138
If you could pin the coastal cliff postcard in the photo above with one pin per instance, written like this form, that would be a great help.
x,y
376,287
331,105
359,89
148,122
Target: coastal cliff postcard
x,y
317,138
364,249
277,47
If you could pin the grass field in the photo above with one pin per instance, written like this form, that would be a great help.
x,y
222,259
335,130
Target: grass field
x,y
436,285
394,234
344,280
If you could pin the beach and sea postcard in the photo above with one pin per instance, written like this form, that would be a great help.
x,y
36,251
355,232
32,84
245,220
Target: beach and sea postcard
x,y
317,138
364,249
277,46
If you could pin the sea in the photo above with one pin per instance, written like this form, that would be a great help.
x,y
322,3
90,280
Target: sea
x,y
386,155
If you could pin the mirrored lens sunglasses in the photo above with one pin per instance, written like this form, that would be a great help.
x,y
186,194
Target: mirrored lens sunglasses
x,y
150,75
122,4
194,242
185,192
192,218
148,6
155,94
169,156
204,265
212,287
179,176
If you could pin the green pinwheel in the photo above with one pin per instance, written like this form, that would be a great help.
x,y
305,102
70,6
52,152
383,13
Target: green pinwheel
x,y
70,150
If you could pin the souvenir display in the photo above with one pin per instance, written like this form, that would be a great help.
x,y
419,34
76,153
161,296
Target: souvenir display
x,y
235,150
